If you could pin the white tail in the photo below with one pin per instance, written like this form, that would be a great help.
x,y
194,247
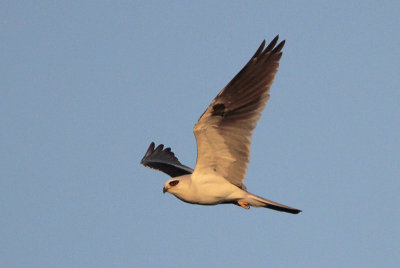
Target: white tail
x,y
257,201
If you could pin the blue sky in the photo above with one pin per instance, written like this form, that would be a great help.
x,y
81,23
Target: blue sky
x,y
86,86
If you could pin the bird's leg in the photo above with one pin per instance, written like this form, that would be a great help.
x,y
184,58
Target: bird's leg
x,y
243,204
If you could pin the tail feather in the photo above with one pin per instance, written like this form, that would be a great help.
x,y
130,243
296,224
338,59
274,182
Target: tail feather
x,y
257,201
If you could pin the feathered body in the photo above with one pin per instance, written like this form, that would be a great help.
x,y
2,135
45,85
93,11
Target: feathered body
x,y
223,134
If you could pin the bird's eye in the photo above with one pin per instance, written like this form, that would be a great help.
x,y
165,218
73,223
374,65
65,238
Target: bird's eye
x,y
173,183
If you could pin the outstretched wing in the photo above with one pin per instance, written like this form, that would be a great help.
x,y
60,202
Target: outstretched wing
x,y
164,160
224,131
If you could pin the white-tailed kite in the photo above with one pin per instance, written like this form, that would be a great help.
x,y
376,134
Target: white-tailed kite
x,y
223,134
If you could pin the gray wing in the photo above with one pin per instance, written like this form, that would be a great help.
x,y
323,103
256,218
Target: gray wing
x,y
164,160
224,131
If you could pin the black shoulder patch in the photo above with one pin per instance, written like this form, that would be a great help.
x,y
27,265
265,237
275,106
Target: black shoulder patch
x,y
218,109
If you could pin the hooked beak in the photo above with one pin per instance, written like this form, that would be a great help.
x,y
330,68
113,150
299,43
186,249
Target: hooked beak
x,y
164,190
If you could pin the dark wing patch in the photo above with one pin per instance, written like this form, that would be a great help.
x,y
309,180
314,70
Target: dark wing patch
x,y
218,109
164,160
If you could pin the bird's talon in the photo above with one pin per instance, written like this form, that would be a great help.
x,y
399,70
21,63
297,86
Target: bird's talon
x,y
243,204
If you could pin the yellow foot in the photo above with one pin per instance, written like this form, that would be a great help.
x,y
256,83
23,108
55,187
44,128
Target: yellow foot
x,y
243,204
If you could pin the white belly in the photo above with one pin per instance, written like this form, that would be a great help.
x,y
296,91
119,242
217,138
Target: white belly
x,y
210,190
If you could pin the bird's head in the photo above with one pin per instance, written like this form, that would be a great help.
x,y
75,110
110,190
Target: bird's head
x,y
175,186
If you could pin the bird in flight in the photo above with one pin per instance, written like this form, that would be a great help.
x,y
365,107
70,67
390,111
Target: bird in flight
x,y
223,134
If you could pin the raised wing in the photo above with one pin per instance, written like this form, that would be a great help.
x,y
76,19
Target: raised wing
x,y
164,160
224,131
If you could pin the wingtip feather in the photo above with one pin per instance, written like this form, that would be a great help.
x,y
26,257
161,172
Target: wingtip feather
x,y
279,47
271,44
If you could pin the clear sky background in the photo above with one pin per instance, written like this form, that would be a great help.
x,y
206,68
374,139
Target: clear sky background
x,y
86,86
